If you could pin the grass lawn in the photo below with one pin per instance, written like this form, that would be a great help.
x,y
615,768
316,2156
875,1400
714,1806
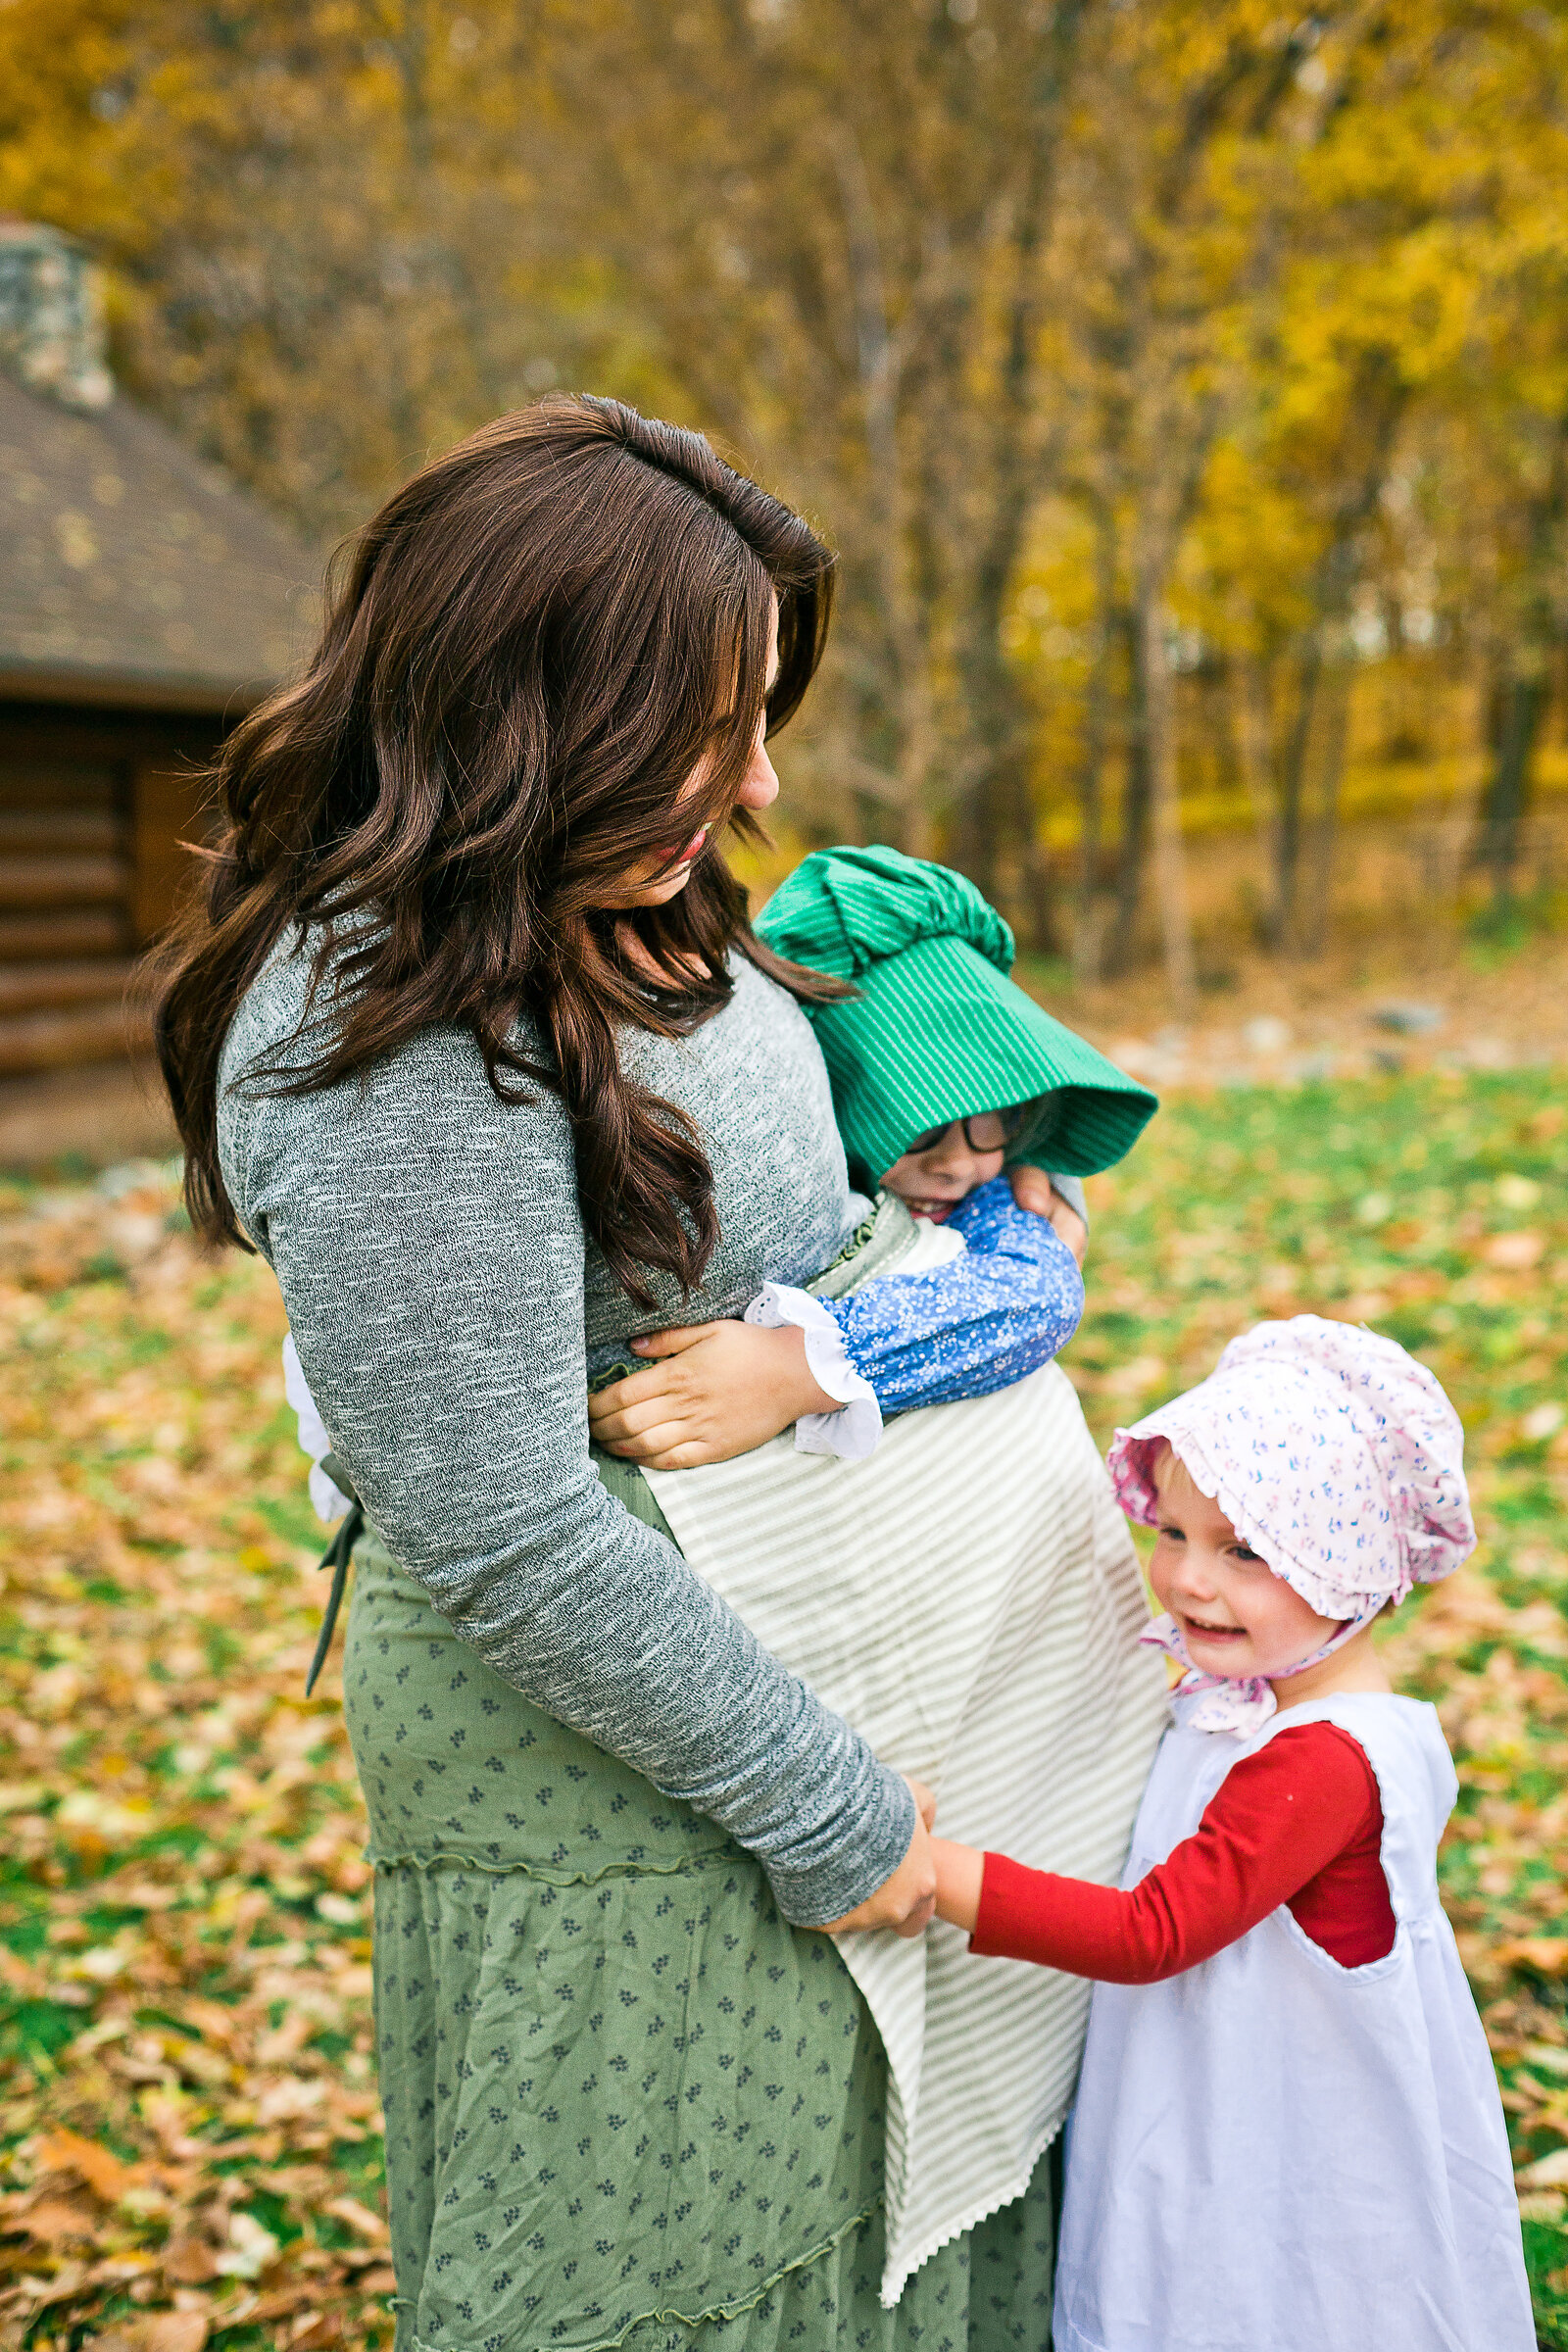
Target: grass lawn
x,y
187,2085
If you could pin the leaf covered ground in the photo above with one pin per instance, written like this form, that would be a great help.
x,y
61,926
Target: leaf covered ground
x,y
187,2107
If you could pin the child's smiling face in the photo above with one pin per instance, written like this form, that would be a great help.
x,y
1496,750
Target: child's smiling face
x,y
932,1182
1237,1617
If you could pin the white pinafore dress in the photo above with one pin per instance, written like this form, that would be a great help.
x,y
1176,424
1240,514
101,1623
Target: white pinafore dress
x,y
1272,2153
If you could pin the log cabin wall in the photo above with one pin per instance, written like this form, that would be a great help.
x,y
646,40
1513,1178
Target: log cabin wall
x,y
145,604
93,807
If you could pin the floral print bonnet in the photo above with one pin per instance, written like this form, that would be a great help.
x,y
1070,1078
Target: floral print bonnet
x,y
1336,1456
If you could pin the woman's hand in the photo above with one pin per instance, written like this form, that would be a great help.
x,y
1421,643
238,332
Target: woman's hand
x,y
714,1390
1032,1189
907,1903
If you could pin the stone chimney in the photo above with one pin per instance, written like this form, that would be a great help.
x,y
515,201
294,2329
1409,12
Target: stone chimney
x,y
51,315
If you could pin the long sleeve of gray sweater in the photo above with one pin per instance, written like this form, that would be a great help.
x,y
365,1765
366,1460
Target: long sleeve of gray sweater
x,y
431,1254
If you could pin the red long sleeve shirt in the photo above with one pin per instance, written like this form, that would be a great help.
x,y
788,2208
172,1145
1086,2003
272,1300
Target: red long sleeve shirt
x,y
1298,1822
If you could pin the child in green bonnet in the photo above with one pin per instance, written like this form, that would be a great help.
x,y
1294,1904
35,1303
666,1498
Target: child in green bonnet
x,y
970,1114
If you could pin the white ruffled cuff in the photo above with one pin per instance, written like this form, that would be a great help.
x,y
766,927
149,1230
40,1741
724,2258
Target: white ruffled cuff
x,y
853,1432
329,1501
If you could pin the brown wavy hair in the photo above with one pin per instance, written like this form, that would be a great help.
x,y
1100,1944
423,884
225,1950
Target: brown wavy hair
x,y
526,654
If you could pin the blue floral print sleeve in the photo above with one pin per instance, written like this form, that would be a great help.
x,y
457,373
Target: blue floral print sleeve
x,y
974,1325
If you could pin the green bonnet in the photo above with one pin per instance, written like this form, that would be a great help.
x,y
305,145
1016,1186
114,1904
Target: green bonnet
x,y
937,1030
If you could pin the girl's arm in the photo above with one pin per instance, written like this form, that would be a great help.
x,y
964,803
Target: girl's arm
x,y
996,1312
1281,1819
979,1323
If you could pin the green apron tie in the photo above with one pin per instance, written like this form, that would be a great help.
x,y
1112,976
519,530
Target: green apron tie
x,y
337,1554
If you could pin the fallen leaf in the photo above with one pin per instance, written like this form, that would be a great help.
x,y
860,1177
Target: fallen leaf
x,y
1515,1252
281,2302
1547,1955
54,2224
21,1796
64,2287
154,2332
290,2098
250,2248
358,2217
190,2260
89,2160
1549,2172
312,2329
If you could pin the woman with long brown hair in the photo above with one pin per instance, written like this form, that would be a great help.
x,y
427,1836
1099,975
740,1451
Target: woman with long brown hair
x,y
470,1038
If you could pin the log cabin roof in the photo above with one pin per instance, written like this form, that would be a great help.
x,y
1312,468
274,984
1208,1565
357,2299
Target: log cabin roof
x,y
132,573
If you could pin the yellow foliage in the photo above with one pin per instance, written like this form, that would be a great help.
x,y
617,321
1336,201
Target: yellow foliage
x,y
1049,318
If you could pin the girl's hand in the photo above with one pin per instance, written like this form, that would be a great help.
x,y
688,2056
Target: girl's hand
x,y
905,1902
959,1871
1032,1189
714,1390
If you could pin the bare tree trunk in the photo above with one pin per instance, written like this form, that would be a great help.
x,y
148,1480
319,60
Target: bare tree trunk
x,y
1527,695
1086,950
1508,791
1001,805
1170,863
1290,802
1381,405
877,370
1251,728
1132,853
1333,736
996,844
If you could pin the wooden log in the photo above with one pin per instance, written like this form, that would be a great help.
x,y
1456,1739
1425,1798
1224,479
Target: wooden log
x,y
51,987
53,1041
170,807
27,784
61,881
52,831
75,931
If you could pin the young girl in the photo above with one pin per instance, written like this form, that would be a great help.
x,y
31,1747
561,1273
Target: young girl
x,y
1288,2135
944,1072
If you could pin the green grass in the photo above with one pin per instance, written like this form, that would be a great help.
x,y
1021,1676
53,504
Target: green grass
x,y
174,1798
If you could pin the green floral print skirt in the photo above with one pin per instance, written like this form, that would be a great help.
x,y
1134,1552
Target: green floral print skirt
x,y
627,2104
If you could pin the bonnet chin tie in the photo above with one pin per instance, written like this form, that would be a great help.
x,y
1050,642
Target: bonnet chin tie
x,y
1239,1704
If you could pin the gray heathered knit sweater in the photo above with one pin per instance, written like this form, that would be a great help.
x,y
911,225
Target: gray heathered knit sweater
x,y
444,1300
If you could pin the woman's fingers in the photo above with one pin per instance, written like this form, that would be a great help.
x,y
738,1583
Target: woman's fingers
x,y
610,1429
606,1412
1071,1227
634,1390
913,1884
671,1446
925,1799
687,1453
631,1406
649,1433
673,1342
1032,1189
724,1388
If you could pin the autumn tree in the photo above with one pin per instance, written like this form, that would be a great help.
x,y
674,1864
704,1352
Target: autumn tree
x,y
1388,319
1505,410
1183,184
1148,314
832,217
